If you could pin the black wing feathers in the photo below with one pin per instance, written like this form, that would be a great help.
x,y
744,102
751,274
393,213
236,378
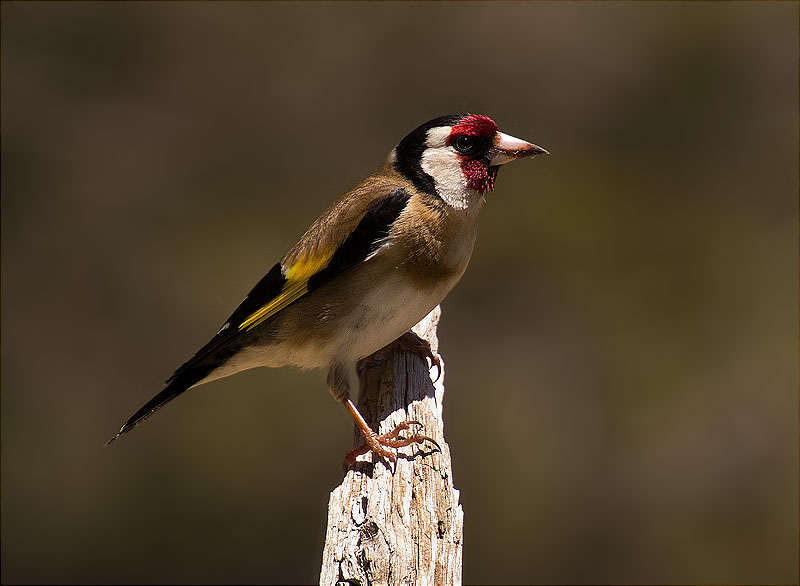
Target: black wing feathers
x,y
367,237
266,289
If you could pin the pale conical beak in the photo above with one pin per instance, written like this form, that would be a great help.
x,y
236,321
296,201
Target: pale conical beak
x,y
507,148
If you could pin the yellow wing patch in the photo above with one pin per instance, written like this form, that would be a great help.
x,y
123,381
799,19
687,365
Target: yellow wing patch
x,y
295,287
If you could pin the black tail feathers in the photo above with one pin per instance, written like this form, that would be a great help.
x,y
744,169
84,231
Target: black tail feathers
x,y
176,386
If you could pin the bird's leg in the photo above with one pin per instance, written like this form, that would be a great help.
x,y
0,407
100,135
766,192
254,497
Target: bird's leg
x,y
338,385
412,343
378,443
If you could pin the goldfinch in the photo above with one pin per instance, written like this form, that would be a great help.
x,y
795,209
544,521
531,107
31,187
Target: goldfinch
x,y
376,262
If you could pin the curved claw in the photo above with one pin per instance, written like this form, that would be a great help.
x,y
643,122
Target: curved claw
x,y
410,342
377,444
421,347
438,364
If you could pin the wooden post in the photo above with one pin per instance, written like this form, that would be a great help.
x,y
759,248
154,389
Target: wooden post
x,y
403,527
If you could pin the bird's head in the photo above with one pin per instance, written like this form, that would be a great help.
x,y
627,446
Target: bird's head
x,y
457,157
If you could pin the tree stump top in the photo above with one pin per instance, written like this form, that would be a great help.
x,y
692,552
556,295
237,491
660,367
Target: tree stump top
x,y
401,526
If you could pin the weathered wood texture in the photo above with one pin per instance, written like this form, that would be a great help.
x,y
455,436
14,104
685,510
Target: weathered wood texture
x,y
406,527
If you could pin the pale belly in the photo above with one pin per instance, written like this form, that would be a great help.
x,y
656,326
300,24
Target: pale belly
x,y
385,314
390,309
378,318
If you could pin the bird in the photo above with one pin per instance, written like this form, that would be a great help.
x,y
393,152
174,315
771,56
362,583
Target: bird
x,y
377,261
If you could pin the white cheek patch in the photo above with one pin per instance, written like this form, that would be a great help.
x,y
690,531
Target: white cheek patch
x,y
444,166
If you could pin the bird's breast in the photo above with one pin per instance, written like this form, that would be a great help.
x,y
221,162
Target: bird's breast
x,y
433,245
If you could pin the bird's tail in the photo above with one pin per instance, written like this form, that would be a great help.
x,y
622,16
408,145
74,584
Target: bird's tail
x,y
175,386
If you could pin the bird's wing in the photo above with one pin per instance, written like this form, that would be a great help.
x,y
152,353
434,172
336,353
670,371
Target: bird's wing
x,y
363,217
320,256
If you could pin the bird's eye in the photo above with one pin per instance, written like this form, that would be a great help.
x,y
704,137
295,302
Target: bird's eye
x,y
463,144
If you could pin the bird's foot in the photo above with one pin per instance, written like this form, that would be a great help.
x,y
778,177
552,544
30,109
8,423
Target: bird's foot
x,y
421,347
410,342
378,443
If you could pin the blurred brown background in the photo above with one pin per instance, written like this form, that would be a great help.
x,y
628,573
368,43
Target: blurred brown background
x,y
627,330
